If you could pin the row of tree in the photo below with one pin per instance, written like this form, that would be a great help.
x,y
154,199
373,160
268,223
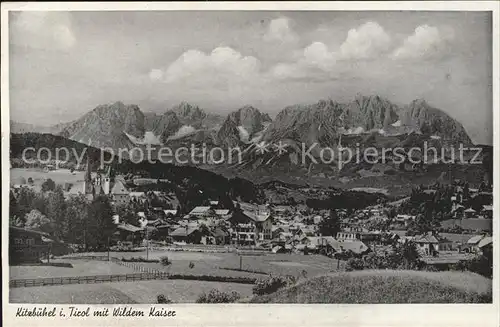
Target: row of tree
x,y
73,220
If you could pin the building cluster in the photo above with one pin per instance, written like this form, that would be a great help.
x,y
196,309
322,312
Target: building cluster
x,y
277,228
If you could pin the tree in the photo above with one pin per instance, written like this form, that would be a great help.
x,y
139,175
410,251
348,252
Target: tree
x,y
408,255
13,206
128,213
76,217
421,225
330,226
36,220
25,202
30,181
225,201
100,225
48,185
392,213
56,211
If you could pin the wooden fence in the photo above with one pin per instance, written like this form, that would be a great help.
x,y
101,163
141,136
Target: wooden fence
x,y
85,257
86,279
145,273
137,267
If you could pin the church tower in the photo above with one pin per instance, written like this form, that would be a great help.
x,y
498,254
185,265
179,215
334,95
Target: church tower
x,y
106,181
88,186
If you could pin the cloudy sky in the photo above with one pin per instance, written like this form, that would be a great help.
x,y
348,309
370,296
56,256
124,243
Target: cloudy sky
x,y
63,64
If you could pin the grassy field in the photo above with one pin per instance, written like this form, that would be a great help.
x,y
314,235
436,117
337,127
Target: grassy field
x,y
59,176
211,263
387,286
79,268
143,292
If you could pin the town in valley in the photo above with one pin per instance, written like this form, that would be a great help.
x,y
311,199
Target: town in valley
x,y
313,157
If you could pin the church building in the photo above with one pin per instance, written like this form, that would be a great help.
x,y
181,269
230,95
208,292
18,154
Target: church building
x,y
100,185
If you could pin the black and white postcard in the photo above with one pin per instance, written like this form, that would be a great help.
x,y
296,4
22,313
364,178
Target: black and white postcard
x,y
244,154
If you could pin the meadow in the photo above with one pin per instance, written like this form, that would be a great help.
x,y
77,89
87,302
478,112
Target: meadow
x,y
38,175
78,268
228,264
387,286
143,292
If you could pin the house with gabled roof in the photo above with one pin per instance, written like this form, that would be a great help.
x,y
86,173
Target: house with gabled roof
x,y
250,227
487,211
120,193
129,233
26,245
187,234
470,213
201,211
473,244
170,213
427,244
222,212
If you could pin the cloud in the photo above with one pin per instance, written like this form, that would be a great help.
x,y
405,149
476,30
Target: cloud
x,y
315,58
426,42
43,30
319,61
222,64
317,54
156,74
367,41
279,30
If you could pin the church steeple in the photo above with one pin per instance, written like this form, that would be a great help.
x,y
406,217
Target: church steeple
x,y
88,186
88,176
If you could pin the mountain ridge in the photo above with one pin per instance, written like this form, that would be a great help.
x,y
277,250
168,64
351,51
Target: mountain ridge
x,y
242,125
323,122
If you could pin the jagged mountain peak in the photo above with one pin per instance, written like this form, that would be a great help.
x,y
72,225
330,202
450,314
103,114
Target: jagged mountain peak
x,y
167,125
117,108
433,121
419,102
324,120
242,125
187,110
107,125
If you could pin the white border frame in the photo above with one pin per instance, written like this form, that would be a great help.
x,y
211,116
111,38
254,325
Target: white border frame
x,y
269,315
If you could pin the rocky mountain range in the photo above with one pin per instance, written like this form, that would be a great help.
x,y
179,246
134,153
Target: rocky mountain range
x,y
325,121
107,126
366,120
242,125
432,121
180,121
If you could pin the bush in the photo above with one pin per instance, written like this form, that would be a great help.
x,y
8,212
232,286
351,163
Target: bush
x,y
48,185
272,284
140,259
390,171
165,261
216,296
480,264
212,278
355,264
246,270
162,299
